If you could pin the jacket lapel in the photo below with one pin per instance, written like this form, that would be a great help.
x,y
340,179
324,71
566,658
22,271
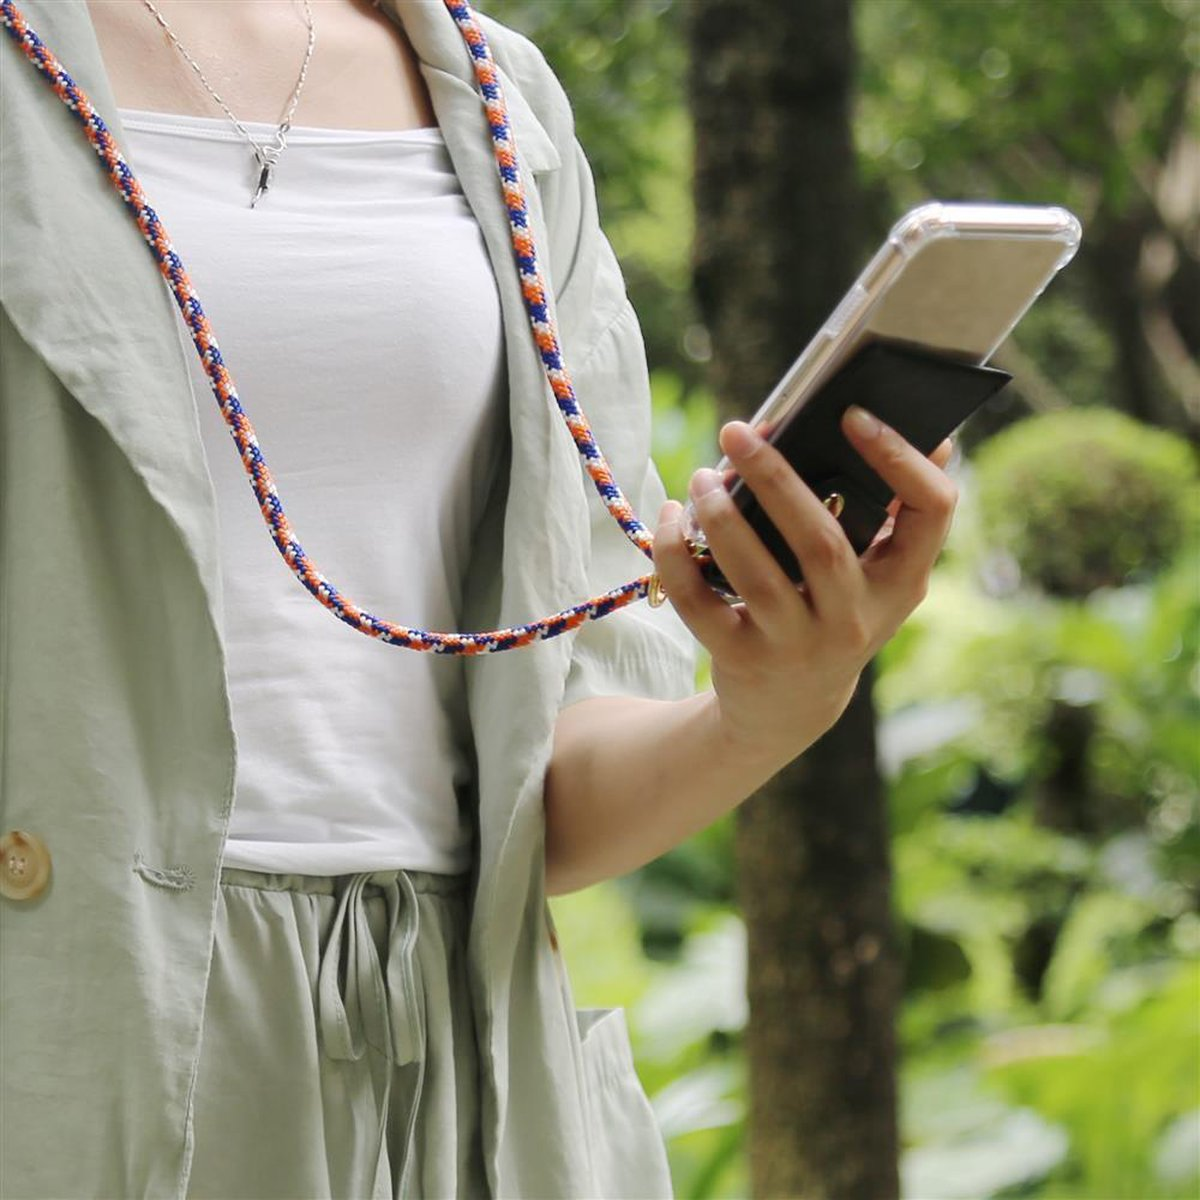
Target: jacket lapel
x,y
81,286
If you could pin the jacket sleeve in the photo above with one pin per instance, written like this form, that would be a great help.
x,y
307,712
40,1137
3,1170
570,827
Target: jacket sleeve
x,y
637,650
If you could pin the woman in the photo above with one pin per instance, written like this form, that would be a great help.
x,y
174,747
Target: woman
x,y
347,982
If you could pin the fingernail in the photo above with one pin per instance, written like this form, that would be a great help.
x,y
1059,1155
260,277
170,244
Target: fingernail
x,y
704,481
740,438
669,513
862,422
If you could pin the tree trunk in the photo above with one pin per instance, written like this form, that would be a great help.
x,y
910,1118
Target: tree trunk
x,y
815,886
1112,261
776,245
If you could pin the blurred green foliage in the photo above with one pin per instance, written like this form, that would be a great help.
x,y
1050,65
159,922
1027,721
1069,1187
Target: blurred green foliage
x,y
1086,498
1051,1023
1093,104
1016,101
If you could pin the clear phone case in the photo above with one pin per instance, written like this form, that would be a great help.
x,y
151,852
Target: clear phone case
x,y
952,279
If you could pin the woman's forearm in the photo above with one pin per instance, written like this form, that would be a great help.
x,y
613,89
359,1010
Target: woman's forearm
x,y
630,779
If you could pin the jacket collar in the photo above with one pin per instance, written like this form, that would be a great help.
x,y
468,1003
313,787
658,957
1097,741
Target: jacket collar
x,y
82,288
439,45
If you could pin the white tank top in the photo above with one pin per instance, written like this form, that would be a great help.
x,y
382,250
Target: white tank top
x,y
357,313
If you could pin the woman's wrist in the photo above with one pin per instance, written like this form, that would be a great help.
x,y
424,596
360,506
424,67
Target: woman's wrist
x,y
765,746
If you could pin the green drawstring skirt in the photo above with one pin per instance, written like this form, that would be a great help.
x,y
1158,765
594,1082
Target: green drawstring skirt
x,y
338,1054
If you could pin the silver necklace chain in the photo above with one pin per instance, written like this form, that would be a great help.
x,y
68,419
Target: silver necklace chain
x,y
267,156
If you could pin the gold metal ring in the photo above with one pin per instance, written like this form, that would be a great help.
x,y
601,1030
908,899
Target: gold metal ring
x,y
835,502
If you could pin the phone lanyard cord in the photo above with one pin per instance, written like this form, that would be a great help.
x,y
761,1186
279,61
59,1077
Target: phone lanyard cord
x,y
532,288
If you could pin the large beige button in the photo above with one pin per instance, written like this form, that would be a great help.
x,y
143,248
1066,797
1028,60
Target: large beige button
x,y
24,865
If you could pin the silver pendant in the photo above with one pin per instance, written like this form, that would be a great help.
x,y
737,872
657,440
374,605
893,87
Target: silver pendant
x,y
264,182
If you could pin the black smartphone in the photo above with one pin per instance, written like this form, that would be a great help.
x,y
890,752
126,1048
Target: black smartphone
x,y
923,396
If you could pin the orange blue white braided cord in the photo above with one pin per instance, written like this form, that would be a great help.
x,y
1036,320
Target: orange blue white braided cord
x,y
532,288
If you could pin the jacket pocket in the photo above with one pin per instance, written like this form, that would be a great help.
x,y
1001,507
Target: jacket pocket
x,y
629,1157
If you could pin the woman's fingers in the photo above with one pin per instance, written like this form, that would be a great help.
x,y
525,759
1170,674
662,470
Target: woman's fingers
x,y
940,458
926,493
711,620
905,548
771,598
885,530
942,455
830,566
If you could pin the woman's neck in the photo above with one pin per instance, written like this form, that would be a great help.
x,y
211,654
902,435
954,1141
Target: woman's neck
x,y
363,73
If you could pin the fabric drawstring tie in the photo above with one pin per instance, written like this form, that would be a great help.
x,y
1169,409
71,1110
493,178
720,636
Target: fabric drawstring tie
x,y
545,336
383,1005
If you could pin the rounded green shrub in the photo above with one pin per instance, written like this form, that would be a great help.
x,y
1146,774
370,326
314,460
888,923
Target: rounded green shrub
x,y
1086,498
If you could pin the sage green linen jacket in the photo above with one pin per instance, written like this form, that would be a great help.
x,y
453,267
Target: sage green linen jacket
x,y
116,744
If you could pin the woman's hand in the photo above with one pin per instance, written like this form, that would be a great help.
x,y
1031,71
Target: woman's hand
x,y
786,661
